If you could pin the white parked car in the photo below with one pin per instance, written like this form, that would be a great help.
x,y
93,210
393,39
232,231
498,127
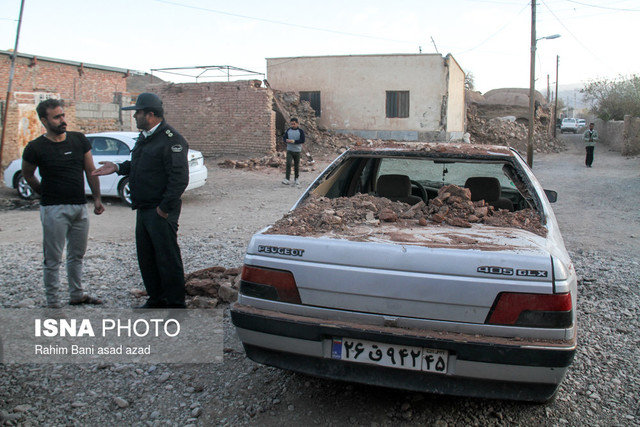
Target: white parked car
x,y
569,125
113,147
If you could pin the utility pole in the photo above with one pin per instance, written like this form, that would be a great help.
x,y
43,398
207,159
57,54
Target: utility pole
x,y
13,67
555,109
548,89
532,83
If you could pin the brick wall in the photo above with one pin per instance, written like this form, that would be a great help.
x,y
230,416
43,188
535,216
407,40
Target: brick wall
x,y
219,119
80,84
37,79
24,124
222,118
12,149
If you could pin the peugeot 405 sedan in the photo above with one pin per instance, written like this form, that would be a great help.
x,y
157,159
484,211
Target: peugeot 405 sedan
x,y
113,147
430,267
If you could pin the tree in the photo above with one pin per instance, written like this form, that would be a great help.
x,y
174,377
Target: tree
x,y
469,84
613,99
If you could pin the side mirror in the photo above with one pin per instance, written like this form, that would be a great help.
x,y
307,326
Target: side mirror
x,y
552,196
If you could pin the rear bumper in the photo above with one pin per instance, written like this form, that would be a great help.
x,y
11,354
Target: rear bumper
x,y
489,368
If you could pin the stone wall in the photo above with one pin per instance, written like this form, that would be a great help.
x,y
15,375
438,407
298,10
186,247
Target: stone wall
x,y
610,133
631,136
620,135
222,118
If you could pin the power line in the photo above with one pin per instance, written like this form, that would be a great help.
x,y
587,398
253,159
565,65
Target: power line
x,y
289,24
574,36
603,7
496,33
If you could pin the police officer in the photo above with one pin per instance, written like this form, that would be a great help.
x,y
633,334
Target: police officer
x,y
158,175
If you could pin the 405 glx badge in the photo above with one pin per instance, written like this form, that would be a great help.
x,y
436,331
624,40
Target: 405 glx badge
x,y
508,271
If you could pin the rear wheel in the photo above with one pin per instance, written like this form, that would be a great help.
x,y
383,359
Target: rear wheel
x,y
125,192
24,189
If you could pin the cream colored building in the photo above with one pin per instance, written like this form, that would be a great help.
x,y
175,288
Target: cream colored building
x,y
408,97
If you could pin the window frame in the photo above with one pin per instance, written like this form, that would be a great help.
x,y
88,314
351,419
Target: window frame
x,y
314,98
397,104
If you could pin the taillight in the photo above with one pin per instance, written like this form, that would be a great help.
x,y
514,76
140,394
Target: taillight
x,y
268,283
532,310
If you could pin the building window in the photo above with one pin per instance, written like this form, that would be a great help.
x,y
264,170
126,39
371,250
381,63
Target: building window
x,y
398,103
314,100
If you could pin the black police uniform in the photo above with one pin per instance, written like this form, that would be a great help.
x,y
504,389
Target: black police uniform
x,y
158,175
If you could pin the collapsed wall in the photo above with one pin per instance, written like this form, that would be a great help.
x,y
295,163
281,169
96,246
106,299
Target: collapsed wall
x,y
503,125
221,118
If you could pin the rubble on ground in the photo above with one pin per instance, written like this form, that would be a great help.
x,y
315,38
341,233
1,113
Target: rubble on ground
x,y
320,140
19,204
452,206
499,131
207,287
277,160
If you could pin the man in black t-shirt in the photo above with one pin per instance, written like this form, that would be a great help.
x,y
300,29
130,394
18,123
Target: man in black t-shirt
x,y
62,158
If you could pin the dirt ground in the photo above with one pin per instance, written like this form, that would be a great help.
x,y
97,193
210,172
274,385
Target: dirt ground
x,y
597,207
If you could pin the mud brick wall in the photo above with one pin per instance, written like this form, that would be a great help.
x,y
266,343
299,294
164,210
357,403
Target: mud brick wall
x,y
222,118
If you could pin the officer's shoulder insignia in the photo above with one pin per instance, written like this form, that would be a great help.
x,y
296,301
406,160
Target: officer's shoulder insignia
x,y
169,133
176,148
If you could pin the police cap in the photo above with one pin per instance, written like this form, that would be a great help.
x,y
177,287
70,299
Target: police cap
x,y
145,100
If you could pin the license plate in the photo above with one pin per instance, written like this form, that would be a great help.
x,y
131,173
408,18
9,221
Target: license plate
x,y
390,355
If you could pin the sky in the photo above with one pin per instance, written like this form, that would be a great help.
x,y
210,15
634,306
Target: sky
x,y
491,39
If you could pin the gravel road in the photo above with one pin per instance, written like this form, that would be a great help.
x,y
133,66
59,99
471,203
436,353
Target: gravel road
x,y
599,214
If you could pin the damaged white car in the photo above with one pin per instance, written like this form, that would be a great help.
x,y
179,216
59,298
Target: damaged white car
x,y
429,267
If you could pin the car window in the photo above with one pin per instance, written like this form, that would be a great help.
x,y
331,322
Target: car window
x,y
102,146
438,174
123,149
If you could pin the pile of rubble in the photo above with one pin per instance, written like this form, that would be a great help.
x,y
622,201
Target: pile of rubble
x,y
501,131
277,160
210,286
319,139
21,204
452,206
